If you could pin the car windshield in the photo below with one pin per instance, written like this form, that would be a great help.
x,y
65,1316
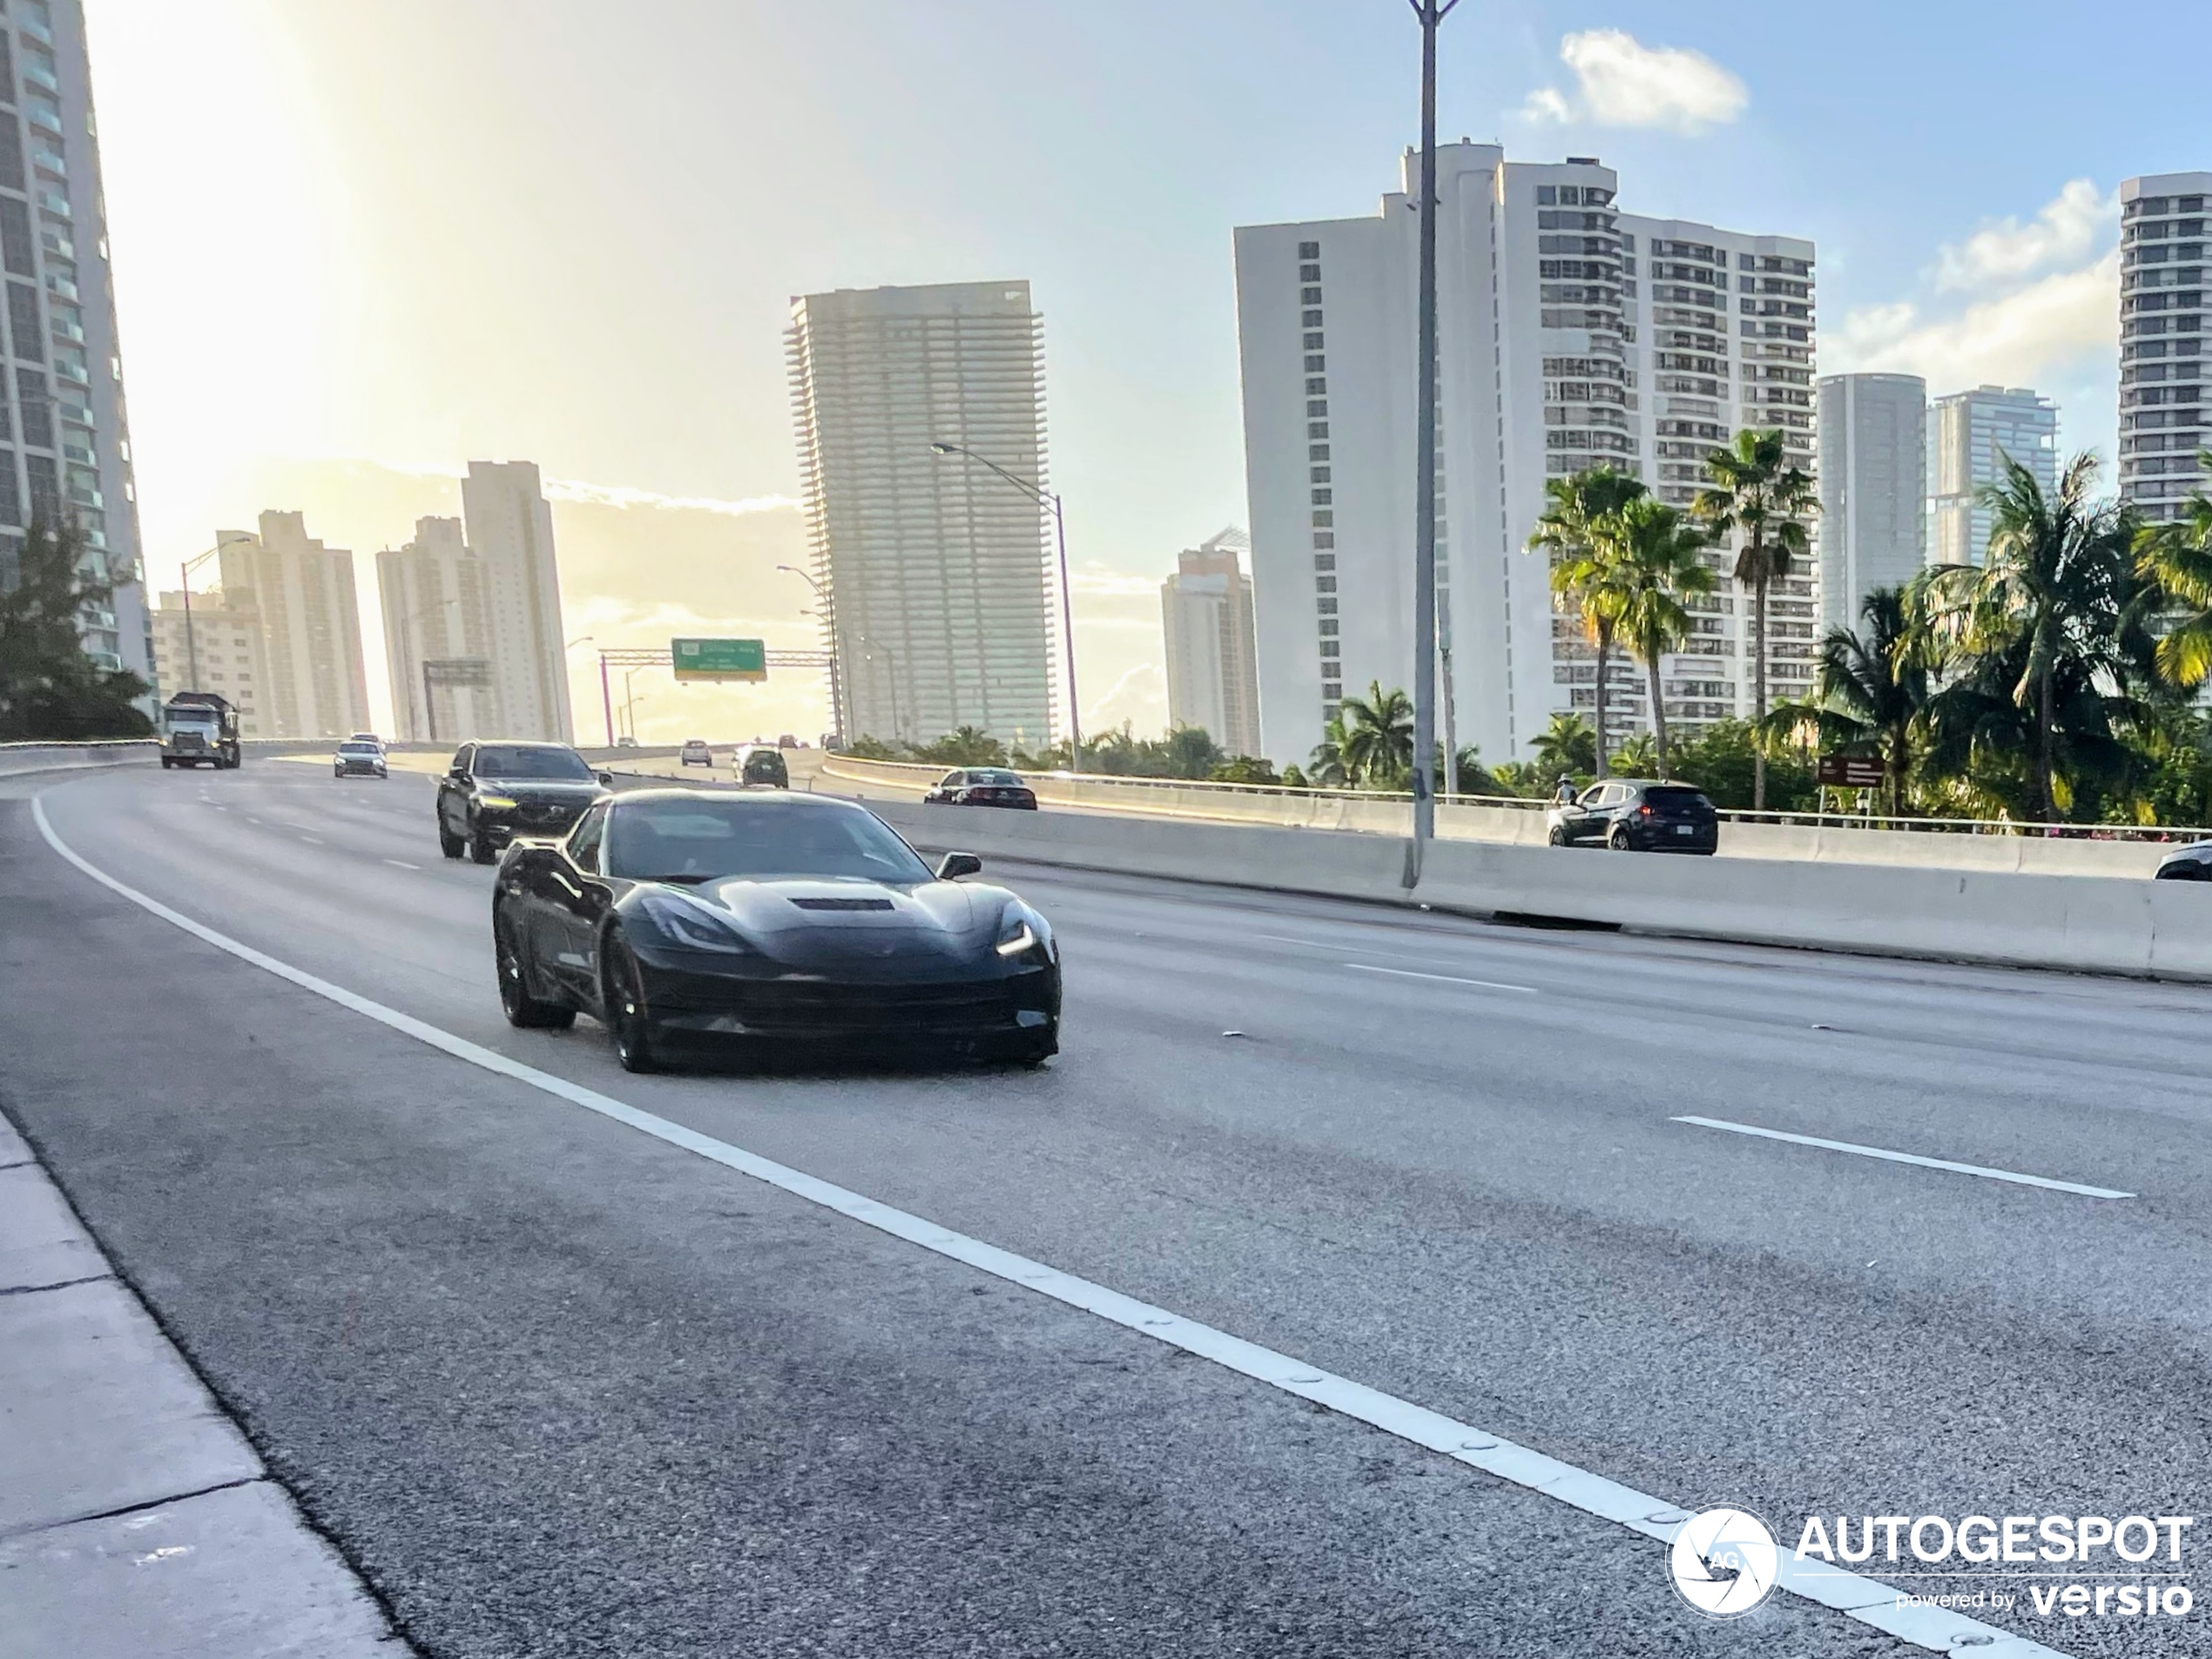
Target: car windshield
x,y
1002,779
700,840
510,761
357,749
1676,800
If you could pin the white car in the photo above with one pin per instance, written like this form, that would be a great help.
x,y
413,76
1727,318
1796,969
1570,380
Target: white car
x,y
696,753
359,758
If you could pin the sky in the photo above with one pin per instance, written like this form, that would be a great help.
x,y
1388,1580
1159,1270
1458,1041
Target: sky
x,y
356,247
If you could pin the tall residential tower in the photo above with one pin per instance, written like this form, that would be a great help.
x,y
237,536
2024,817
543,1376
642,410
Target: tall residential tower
x,y
2163,420
1570,334
1206,615
65,444
1971,434
934,568
1873,529
438,641
316,684
509,529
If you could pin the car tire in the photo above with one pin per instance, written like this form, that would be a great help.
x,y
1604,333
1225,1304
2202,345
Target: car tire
x,y
630,1025
482,850
1558,837
168,763
1618,839
450,844
524,1009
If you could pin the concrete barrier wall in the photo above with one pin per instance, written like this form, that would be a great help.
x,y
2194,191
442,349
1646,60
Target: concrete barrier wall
x,y
70,757
1525,826
2100,924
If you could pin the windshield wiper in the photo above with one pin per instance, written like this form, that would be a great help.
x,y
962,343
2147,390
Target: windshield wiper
x,y
679,880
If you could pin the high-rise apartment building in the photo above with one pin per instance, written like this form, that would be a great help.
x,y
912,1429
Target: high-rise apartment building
x,y
1969,436
214,646
508,526
63,440
2163,419
938,606
1213,670
439,643
1873,529
317,684
1570,333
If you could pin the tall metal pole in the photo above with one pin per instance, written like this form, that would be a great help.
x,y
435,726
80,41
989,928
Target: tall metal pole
x,y
1068,637
606,699
1432,14
192,645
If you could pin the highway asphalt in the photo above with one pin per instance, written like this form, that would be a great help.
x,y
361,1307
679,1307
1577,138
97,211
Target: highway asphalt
x,y
557,1387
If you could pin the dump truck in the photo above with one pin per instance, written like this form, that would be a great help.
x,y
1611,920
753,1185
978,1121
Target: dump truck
x,y
199,728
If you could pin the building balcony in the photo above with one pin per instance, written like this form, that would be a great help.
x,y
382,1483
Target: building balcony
x,y
50,163
68,331
38,74
34,29
57,247
60,287
56,204
44,114
75,372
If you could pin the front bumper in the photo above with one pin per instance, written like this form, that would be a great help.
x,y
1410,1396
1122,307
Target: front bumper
x,y
503,824
1017,1010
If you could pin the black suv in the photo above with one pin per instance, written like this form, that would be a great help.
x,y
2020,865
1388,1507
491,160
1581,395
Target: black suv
x,y
1637,815
493,792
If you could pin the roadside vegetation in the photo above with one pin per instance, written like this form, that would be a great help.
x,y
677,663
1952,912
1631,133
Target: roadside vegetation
x,y
50,691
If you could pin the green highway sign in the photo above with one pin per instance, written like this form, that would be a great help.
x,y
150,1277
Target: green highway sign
x,y
719,659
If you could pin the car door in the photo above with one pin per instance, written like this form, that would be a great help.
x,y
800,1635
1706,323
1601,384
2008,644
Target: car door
x,y
576,896
453,797
1578,816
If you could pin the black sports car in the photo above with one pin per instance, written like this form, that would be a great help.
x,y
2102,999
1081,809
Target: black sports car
x,y
690,919
493,792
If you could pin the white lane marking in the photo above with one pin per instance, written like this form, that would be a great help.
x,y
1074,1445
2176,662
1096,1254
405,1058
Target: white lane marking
x,y
1888,1157
313,839
1446,979
401,864
1868,1600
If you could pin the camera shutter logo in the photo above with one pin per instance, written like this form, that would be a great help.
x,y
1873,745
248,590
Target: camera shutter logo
x,y
1724,1561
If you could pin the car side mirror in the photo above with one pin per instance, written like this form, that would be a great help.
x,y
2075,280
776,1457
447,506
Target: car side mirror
x,y
456,771
957,865
607,777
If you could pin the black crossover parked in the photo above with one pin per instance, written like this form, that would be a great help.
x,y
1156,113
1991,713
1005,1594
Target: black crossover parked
x,y
495,791
684,918
1637,815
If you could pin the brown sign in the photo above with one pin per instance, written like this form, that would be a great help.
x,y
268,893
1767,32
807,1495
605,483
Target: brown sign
x,y
1852,771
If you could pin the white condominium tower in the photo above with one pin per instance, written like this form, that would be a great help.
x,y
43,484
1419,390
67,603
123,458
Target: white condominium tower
x,y
317,684
1570,334
1873,528
64,445
510,527
1213,675
2162,414
439,645
1971,434
933,568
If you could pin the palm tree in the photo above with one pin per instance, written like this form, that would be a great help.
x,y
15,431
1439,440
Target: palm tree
x,y
1654,556
1325,767
1760,498
1568,530
1639,757
1568,745
2058,609
1869,690
1378,742
2178,557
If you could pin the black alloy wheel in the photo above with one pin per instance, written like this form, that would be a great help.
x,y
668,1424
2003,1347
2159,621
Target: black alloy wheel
x,y
448,843
630,1026
480,847
522,1009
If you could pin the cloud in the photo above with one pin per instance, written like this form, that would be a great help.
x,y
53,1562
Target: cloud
x,y
1140,696
1620,82
624,496
2014,340
1096,579
2067,229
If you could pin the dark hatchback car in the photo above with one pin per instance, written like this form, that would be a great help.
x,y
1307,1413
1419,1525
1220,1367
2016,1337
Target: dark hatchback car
x,y
1637,815
493,792
691,920
760,766
982,786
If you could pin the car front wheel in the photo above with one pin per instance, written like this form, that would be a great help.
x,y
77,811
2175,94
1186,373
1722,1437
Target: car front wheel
x,y
521,1008
1618,841
482,850
630,1025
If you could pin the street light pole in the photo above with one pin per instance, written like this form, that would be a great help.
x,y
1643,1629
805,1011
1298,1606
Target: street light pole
x,y
822,598
183,574
898,725
1432,14
1044,498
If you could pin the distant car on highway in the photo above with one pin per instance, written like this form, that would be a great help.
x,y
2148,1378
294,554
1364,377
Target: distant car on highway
x,y
687,918
787,741
2190,863
761,764
696,753
359,758
493,792
626,741
365,736
982,786
1637,815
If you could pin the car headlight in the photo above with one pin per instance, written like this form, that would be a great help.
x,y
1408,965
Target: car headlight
x,y
502,801
692,925
1022,930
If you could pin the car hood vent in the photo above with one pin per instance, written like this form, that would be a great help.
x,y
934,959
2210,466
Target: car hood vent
x,y
843,904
